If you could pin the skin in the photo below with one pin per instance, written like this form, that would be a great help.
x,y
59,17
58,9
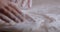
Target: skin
x,y
10,15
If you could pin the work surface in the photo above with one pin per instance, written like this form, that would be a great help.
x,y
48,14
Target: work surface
x,y
46,9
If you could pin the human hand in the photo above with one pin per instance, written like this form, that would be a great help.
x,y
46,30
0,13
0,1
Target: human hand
x,y
11,15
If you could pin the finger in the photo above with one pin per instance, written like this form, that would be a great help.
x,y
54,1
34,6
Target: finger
x,y
2,22
10,15
13,5
14,11
15,8
2,16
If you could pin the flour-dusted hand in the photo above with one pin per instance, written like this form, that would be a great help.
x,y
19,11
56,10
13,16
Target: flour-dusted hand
x,y
12,15
12,12
9,15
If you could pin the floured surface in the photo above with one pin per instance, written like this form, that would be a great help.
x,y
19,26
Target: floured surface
x,y
50,9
